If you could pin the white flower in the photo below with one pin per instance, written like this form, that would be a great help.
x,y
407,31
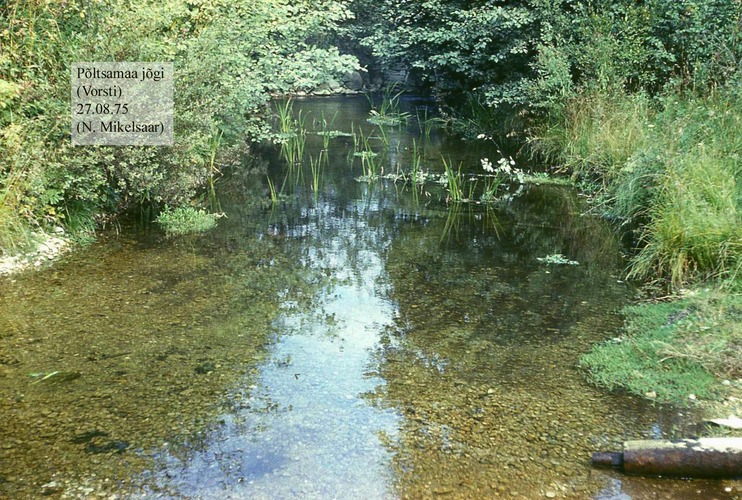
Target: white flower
x,y
487,165
504,166
481,136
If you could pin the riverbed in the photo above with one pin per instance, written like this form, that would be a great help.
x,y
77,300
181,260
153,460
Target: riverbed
x,y
336,336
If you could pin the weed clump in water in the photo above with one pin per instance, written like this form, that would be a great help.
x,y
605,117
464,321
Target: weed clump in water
x,y
186,220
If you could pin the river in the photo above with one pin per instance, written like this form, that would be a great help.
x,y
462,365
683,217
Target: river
x,y
350,339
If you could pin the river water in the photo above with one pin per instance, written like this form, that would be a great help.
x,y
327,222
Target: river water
x,y
349,340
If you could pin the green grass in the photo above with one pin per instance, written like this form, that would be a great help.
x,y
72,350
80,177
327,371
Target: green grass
x,y
687,188
670,170
186,220
595,134
672,350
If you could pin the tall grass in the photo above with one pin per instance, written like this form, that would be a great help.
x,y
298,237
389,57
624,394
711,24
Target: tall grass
x,y
595,134
671,170
694,219
454,181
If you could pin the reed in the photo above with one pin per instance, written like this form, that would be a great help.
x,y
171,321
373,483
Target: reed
x,y
426,124
388,111
316,168
453,181
273,192
366,154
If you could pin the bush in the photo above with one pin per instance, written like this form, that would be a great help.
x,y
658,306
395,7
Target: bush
x,y
229,57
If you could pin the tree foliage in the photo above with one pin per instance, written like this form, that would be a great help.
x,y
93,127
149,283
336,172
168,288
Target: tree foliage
x,y
229,57
533,52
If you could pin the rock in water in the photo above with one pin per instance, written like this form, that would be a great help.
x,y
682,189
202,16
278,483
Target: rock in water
x,y
353,80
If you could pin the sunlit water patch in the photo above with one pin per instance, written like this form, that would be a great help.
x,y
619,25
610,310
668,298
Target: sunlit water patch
x,y
306,429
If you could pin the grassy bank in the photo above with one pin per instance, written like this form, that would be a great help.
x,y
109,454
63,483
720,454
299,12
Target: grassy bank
x,y
670,168
677,351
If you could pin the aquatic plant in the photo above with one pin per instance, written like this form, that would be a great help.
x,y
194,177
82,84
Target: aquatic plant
x,y
453,181
426,124
316,169
388,112
186,219
366,154
272,188
285,112
327,133
292,133
557,259
492,181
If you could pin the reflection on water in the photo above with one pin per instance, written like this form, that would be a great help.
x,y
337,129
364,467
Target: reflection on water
x,y
359,341
304,429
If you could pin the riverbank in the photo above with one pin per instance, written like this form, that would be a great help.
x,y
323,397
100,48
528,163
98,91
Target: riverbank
x,y
42,250
670,170
683,350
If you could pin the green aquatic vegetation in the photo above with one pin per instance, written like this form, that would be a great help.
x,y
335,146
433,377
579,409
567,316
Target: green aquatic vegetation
x,y
326,132
396,120
426,124
491,182
186,220
388,113
317,171
673,351
384,136
416,167
285,113
544,179
367,155
332,134
273,192
453,181
292,133
557,259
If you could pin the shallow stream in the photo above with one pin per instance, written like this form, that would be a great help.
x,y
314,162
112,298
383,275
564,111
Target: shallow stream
x,y
351,340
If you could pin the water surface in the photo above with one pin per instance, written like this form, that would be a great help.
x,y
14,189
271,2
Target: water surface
x,y
357,341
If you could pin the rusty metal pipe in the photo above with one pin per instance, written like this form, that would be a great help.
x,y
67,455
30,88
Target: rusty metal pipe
x,y
705,457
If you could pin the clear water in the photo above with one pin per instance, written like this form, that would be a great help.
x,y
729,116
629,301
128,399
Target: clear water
x,y
361,341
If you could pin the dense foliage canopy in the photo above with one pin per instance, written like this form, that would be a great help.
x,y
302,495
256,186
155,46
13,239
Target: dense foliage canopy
x,y
532,52
229,57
